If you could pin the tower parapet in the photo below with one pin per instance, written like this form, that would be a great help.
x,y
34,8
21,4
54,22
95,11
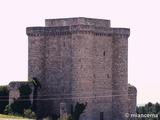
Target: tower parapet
x,y
46,31
121,32
83,29
77,21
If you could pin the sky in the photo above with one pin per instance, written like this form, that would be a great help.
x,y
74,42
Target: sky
x,y
141,16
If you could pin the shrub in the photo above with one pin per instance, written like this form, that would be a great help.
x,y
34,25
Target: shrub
x,y
28,113
23,102
4,98
78,110
66,117
19,105
8,109
48,118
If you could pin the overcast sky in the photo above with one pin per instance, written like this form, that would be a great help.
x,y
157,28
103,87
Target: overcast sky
x,y
141,16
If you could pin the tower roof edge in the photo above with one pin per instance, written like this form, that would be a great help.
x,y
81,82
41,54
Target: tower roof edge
x,y
77,21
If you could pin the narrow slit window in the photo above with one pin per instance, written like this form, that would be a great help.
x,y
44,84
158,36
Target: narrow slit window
x,y
94,76
101,116
71,109
104,53
108,75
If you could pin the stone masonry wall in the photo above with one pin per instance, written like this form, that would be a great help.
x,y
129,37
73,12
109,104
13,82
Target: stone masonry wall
x,y
132,100
102,82
120,76
80,60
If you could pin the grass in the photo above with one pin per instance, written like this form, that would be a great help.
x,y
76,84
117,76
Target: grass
x,y
11,116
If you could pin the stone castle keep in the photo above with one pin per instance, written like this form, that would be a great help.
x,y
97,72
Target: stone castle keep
x,y
82,60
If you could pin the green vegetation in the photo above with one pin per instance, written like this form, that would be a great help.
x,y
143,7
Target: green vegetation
x,y
28,113
149,108
11,116
78,110
37,85
4,98
22,105
23,102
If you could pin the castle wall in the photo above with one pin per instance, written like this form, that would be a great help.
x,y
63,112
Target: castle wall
x,y
132,100
102,82
120,73
82,69
36,63
58,70
81,60
36,57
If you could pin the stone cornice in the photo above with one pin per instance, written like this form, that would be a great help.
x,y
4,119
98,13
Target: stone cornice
x,y
77,29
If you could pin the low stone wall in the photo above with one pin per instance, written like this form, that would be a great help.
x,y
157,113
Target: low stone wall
x,y
132,100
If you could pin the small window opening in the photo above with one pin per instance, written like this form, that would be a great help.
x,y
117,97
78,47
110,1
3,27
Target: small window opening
x,y
108,75
101,116
64,44
63,89
71,109
104,53
94,76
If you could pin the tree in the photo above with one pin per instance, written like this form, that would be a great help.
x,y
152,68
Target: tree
x,y
4,98
149,108
150,104
78,110
37,85
23,102
157,107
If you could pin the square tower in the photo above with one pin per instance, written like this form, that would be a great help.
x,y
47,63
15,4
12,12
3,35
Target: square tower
x,y
80,60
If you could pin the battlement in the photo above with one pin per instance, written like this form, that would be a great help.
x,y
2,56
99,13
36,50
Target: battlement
x,y
77,21
82,29
121,31
43,31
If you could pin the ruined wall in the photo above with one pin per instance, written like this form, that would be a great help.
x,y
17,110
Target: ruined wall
x,y
132,100
14,90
